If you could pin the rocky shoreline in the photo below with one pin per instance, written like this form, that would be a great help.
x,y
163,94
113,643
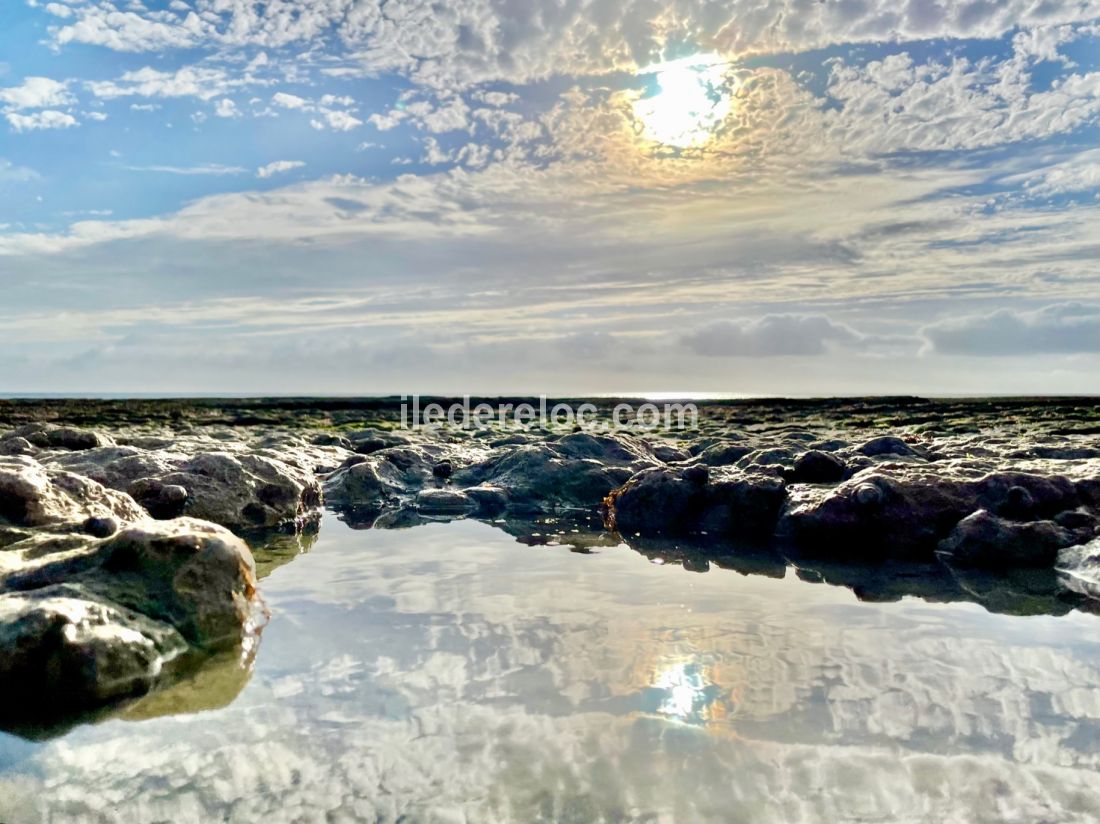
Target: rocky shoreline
x,y
124,526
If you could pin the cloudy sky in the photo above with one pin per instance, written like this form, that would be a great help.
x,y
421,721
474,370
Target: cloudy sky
x,y
360,196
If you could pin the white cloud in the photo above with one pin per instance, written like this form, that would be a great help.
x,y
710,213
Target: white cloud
x,y
1056,329
36,93
48,119
10,173
773,335
206,169
202,82
226,108
464,42
289,101
337,120
278,167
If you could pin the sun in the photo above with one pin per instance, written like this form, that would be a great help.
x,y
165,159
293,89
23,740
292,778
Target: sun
x,y
691,101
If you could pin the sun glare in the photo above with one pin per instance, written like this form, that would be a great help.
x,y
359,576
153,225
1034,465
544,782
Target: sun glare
x,y
690,103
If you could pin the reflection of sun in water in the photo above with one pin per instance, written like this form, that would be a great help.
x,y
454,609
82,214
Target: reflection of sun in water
x,y
683,693
692,101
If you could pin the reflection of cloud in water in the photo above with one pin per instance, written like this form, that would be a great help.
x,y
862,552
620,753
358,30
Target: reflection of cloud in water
x,y
448,675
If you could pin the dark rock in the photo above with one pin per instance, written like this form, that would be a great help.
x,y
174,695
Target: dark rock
x,y
904,510
669,502
489,500
724,454
886,445
817,467
443,469
985,540
443,502
670,454
369,446
101,527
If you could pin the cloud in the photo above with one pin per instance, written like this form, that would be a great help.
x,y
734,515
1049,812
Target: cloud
x,y
1061,328
773,335
226,108
458,43
202,82
289,101
10,173
207,169
278,166
48,119
336,120
36,93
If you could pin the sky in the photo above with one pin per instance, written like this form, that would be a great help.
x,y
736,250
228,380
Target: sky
x,y
779,197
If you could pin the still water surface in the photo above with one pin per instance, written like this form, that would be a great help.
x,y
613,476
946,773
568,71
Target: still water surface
x,y
447,673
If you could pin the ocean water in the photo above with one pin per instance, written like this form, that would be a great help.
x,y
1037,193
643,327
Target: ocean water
x,y
447,673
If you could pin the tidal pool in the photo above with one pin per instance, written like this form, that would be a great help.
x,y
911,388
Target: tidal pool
x,y
447,673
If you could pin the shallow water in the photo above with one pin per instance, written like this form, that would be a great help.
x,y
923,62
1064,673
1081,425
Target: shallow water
x,y
446,673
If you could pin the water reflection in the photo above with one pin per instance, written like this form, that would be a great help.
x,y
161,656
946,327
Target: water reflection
x,y
448,673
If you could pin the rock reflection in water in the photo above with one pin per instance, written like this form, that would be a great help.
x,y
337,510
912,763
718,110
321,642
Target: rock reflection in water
x,y
448,674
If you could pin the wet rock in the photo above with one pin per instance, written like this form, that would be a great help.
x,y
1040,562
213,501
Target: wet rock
x,y
904,510
443,502
192,575
578,470
986,540
817,467
384,478
727,502
891,516
66,652
489,500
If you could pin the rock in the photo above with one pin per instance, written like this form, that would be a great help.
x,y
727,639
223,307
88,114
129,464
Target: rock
x,y
724,454
101,527
886,445
778,456
329,439
489,500
16,446
93,616
238,491
727,502
162,501
383,478
443,502
576,471
36,496
195,576
60,652
905,510
369,446
817,467
670,454
51,436
443,469
985,540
